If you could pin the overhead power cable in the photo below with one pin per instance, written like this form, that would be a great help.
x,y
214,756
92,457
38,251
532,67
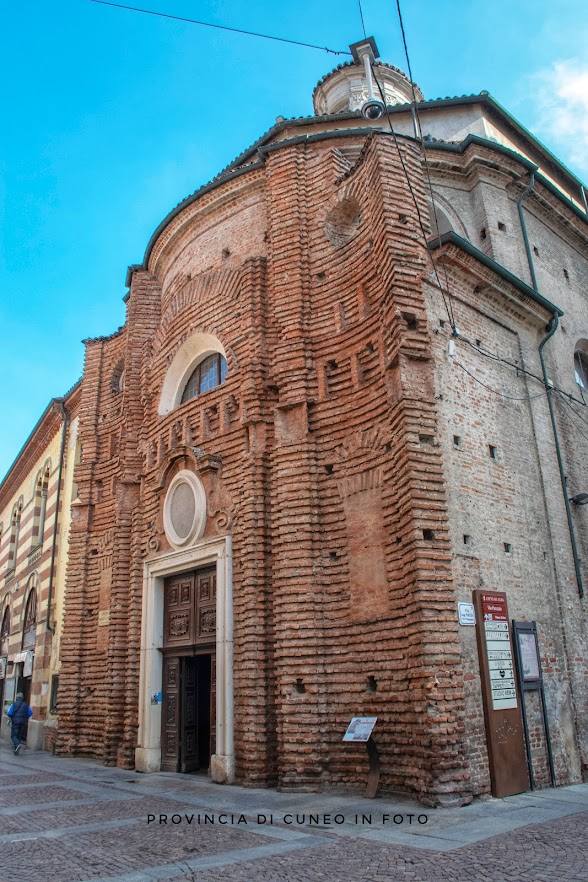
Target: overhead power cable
x,y
414,199
562,398
565,396
496,392
419,134
207,24
362,21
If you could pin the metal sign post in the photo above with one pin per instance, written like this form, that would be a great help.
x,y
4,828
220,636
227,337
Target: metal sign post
x,y
530,678
502,714
360,729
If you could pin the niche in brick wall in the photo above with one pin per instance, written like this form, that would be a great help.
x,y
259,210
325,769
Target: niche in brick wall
x,y
360,488
291,422
103,563
342,222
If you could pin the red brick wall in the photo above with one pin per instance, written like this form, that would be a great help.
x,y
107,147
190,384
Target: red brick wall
x,y
328,480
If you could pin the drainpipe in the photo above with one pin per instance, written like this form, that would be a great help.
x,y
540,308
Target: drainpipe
x,y
65,418
551,329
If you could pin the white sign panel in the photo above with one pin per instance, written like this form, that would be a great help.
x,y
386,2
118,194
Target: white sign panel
x,y
466,613
360,729
500,662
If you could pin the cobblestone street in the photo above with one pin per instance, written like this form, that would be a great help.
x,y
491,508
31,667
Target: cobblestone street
x,y
73,820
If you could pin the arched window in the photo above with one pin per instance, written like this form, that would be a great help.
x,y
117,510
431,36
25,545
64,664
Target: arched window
x,y
117,381
14,531
211,372
200,364
29,628
5,632
40,509
439,220
581,368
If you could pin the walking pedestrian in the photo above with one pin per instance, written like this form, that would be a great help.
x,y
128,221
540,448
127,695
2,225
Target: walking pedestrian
x,y
19,712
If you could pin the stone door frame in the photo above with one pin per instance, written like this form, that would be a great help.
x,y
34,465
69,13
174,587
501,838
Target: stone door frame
x,y
209,552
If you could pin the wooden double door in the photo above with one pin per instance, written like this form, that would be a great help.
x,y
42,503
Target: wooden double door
x,y
189,672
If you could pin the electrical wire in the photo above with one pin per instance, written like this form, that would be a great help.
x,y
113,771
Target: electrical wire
x,y
561,397
419,134
496,392
206,24
494,357
567,396
362,21
414,199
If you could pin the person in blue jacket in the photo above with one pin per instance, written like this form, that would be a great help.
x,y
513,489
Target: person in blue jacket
x,y
19,712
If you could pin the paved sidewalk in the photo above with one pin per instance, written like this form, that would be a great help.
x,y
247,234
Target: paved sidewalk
x,y
72,820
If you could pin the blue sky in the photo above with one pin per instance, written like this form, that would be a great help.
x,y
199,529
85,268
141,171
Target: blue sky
x,y
110,118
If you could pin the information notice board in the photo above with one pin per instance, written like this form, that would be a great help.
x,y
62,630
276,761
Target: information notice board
x,y
502,713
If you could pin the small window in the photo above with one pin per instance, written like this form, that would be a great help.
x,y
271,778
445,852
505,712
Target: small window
x,y
30,622
5,632
40,509
209,374
14,535
54,691
581,369
439,220
117,381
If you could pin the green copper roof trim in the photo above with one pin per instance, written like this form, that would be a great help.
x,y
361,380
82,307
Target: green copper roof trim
x,y
234,169
454,239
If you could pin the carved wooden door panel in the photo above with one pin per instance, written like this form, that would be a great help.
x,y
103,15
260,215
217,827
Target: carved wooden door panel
x,y
178,610
170,719
189,674
213,704
189,748
205,589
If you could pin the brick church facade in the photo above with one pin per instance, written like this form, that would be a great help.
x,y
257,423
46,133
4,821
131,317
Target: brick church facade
x,y
292,470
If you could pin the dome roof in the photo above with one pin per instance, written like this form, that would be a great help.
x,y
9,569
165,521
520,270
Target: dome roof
x,y
346,88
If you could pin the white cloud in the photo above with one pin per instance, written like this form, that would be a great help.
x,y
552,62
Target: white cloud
x,y
560,93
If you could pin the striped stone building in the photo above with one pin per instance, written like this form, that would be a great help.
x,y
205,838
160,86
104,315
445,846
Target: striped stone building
x,y
33,557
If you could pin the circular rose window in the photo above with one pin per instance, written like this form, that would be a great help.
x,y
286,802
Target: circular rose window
x,y
184,510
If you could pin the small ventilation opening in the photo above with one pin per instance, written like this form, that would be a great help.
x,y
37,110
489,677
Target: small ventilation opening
x,y
428,535
372,684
